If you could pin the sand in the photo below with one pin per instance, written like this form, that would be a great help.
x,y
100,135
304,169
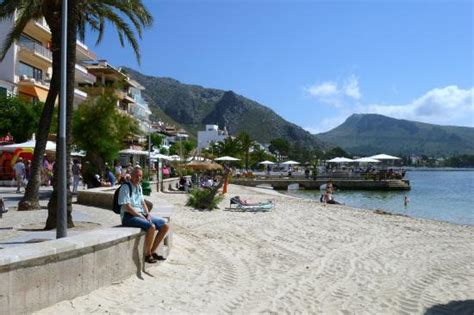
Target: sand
x,y
301,257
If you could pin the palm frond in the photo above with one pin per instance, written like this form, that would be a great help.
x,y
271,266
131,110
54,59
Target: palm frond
x,y
25,13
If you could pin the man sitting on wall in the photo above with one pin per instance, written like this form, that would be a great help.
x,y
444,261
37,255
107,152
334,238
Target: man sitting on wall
x,y
134,213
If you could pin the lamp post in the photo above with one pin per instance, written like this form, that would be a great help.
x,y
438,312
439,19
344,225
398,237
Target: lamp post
x,y
61,223
149,151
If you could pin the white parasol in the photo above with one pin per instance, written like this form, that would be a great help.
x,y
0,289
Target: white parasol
x,y
384,157
226,158
366,160
133,152
266,163
290,163
340,160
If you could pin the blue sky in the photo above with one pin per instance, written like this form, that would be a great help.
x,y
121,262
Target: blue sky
x,y
316,62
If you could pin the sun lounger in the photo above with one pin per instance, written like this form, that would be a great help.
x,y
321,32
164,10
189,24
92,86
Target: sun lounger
x,y
246,206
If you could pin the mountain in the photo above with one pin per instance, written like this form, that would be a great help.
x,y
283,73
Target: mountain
x,y
193,106
367,134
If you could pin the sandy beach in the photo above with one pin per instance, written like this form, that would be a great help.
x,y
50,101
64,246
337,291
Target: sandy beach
x,y
302,257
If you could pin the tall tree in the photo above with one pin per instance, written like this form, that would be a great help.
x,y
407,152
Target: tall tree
x,y
19,117
92,13
95,14
246,143
229,146
98,128
280,147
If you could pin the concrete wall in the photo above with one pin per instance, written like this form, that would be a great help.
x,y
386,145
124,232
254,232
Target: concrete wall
x,y
35,276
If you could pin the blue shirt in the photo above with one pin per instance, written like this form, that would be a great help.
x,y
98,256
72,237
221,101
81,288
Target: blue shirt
x,y
135,200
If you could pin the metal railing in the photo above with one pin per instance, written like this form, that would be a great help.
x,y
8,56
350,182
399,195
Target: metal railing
x,y
36,48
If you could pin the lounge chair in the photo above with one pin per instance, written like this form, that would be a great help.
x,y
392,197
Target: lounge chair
x,y
246,206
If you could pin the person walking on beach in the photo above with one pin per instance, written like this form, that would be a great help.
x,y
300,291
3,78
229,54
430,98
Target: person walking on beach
x,y
19,173
134,213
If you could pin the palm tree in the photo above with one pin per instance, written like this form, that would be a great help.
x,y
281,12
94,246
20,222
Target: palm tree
x,y
81,14
246,143
230,146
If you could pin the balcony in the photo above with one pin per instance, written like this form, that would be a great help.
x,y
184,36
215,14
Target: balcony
x,y
35,54
83,76
83,53
79,97
38,29
32,88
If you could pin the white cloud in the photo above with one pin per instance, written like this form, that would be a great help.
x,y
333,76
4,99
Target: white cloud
x,y
323,90
330,93
449,105
351,88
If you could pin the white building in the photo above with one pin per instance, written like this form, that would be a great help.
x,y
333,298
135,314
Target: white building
x,y
27,67
211,134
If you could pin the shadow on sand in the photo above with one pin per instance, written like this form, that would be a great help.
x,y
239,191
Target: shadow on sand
x,y
454,307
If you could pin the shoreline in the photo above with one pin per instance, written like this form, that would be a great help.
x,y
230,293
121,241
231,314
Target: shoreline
x,y
300,257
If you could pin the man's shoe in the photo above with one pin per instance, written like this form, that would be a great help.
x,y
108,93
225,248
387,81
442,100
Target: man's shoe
x,y
157,257
150,259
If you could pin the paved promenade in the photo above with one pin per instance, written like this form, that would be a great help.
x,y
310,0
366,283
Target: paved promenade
x,y
23,227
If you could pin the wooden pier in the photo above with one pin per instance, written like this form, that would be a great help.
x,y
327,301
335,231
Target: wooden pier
x,y
314,184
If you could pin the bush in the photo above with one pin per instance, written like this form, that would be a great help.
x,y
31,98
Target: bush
x,y
204,199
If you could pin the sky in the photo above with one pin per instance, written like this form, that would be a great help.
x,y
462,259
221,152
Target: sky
x,y
316,62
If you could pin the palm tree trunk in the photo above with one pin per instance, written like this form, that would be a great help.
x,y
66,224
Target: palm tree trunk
x,y
51,221
30,200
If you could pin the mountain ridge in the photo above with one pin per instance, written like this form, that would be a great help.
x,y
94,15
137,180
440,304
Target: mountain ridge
x,y
193,106
361,134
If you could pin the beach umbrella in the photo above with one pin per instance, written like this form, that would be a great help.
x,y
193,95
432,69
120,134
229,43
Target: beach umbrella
x,y
133,152
366,160
290,163
204,166
384,157
196,158
226,158
159,156
340,160
266,163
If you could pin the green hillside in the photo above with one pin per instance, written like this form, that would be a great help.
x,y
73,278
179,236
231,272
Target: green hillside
x,y
366,134
193,106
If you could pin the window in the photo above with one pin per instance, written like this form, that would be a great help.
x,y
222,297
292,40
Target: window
x,y
3,92
29,71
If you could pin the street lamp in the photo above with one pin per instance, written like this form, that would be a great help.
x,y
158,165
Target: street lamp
x,y
61,222
149,150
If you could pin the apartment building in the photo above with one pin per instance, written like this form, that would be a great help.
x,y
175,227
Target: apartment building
x,y
27,67
128,91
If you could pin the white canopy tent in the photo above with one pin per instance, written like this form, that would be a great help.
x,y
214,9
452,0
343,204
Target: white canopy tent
x,y
50,146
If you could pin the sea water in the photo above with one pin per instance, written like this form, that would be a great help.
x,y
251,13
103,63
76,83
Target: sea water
x,y
437,195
